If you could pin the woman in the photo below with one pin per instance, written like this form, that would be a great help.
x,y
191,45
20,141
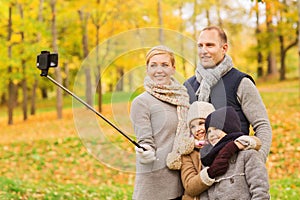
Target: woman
x,y
159,118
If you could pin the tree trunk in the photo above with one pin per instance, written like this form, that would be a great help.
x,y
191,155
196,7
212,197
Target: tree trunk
x,y
99,82
195,33
160,21
99,91
25,93
272,70
66,80
207,17
23,64
283,49
35,84
220,22
283,52
120,83
88,81
44,93
260,71
33,96
3,99
181,29
59,96
282,57
11,85
11,99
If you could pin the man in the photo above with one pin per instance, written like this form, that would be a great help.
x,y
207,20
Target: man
x,y
216,81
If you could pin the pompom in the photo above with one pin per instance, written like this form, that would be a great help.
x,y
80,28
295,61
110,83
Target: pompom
x,y
186,145
174,161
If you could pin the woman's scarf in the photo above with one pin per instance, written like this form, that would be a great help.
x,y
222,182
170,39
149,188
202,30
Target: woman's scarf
x,y
208,77
208,159
175,94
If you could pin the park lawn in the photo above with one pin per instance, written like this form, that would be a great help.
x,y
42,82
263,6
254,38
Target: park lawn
x,y
44,158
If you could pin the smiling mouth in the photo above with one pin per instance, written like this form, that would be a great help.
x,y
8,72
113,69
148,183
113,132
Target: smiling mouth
x,y
205,58
160,76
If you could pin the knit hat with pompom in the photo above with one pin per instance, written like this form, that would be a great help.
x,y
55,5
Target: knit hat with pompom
x,y
199,109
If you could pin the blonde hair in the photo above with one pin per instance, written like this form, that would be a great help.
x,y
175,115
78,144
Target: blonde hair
x,y
160,49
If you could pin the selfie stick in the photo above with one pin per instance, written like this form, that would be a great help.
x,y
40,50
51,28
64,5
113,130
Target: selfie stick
x,y
43,65
92,109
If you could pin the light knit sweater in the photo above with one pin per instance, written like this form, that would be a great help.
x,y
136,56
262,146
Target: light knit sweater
x,y
256,113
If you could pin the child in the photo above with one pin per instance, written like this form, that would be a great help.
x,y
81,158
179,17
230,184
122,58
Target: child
x,y
196,179
247,176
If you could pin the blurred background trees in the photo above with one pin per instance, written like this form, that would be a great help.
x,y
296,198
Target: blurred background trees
x,y
263,38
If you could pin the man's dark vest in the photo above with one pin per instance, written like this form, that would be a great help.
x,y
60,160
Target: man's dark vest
x,y
224,93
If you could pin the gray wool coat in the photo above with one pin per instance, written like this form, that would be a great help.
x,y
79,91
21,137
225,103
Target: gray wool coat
x,y
246,178
155,123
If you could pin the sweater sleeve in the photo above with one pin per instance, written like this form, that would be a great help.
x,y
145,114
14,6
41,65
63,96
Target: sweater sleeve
x,y
140,117
256,113
256,175
191,179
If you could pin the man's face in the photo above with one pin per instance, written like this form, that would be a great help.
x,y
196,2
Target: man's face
x,y
211,49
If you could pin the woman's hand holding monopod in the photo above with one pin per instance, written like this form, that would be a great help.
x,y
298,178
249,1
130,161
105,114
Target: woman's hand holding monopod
x,y
145,156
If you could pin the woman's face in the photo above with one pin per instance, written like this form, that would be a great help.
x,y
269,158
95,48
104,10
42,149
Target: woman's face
x,y
160,69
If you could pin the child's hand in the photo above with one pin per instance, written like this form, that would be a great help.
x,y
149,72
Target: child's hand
x,y
245,142
220,164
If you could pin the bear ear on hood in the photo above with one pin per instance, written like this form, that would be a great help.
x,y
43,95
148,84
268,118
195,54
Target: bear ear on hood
x,y
199,109
225,119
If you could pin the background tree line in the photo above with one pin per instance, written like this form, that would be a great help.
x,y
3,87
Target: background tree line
x,y
263,37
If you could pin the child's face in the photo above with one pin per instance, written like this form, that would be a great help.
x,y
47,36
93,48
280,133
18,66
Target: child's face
x,y
198,130
214,135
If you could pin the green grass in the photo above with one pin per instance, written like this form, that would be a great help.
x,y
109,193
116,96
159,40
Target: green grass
x,y
57,168
17,189
285,189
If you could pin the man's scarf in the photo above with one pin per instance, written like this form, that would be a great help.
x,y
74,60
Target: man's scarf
x,y
208,77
